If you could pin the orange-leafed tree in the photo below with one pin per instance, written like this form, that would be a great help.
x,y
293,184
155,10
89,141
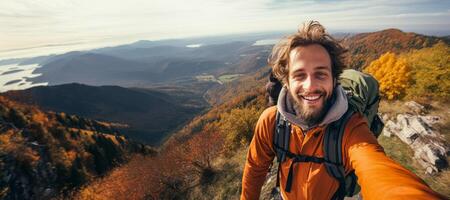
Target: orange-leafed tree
x,y
204,147
392,73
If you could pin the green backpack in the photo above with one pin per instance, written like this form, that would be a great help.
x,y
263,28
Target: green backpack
x,y
363,96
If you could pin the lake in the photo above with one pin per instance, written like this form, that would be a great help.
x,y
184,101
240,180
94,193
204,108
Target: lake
x,y
14,77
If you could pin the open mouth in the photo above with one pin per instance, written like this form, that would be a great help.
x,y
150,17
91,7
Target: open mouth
x,y
311,99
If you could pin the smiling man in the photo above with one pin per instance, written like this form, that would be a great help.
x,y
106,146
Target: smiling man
x,y
309,63
310,82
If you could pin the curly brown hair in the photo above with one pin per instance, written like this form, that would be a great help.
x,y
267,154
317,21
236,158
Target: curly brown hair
x,y
312,32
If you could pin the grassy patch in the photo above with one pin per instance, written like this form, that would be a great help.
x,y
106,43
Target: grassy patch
x,y
229,77
399,151
443,111
392,108
227,180
206,78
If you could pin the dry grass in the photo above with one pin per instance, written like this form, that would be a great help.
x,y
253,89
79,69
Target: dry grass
x,y
227,181
443,111
392,108
130,181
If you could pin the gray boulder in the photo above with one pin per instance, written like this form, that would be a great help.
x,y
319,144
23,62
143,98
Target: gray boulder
x,y
429,146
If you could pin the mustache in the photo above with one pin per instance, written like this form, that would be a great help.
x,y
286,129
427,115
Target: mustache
x,y
317,92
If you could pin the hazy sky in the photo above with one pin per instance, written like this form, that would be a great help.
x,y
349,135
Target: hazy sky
x,y
39,27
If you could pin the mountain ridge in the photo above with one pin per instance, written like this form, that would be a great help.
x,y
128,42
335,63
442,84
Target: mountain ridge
x,y
366,47
150,115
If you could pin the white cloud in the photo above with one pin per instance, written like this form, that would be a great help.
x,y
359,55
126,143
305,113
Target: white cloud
x,y
30,23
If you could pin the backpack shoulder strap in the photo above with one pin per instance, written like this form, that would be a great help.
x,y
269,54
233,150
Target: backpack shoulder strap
x,y
282,130
281,137
333,151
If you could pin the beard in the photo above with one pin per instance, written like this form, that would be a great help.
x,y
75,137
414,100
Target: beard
x,y
311,115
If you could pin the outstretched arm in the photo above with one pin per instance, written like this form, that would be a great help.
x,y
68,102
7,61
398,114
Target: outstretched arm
x,y
379,176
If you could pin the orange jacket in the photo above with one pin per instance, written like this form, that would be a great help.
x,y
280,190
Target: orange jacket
x,y
379,176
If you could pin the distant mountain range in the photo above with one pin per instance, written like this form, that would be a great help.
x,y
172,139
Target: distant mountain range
x,y
149,114
146,66
144,63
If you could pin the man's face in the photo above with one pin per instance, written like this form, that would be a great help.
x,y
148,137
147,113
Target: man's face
x,y
310,81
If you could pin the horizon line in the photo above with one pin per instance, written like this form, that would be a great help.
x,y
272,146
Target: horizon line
x,y
432,33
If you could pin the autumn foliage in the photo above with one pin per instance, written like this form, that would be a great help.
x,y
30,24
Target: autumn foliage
x,y
367,47
188,160
430,72
43,154
238,126
423,73
392,73
169,175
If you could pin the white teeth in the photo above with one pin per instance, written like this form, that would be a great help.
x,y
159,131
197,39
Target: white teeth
x,y
311,98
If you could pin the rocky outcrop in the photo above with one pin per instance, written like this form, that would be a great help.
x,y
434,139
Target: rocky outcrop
x,y
416,130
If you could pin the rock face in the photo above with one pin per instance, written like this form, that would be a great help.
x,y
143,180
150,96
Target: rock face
x,y
429,146
268,192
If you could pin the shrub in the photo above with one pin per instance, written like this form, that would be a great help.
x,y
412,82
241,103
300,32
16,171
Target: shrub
x,y
238,126
392,73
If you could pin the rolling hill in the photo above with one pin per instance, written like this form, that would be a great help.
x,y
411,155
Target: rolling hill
x,y
366,47
148,113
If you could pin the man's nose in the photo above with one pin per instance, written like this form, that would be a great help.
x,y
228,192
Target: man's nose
x,y
308,84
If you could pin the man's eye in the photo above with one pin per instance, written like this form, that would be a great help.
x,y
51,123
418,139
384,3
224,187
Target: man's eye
x,y
299,76
321,75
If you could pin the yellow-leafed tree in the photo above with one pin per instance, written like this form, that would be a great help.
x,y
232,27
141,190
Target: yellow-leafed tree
x,y
392,73
430,72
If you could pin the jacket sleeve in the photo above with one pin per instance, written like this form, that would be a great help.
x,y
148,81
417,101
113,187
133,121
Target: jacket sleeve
x,y
259,157
379,176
